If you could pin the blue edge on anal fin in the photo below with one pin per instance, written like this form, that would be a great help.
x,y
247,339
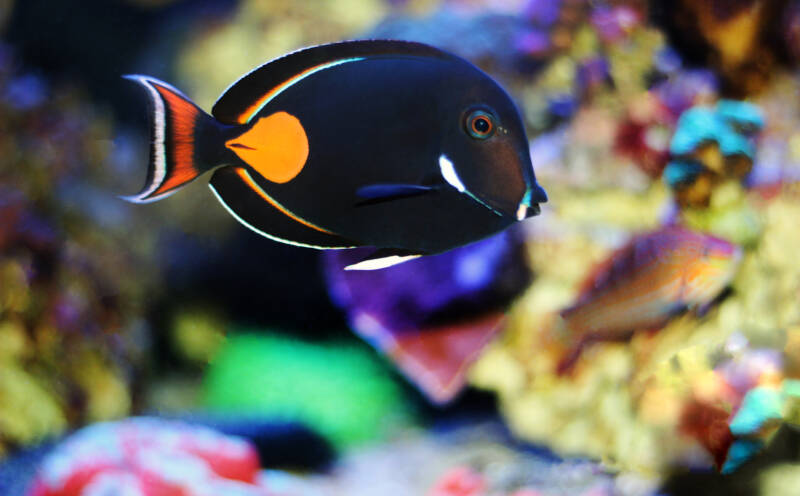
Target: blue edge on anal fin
x,y
250,209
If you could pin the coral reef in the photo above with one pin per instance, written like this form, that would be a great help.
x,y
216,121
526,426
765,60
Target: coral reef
x,y
71,293
706,389
434,315
652,358
743,40
151,457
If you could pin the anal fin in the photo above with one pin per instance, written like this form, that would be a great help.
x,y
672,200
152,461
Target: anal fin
x,y
251,206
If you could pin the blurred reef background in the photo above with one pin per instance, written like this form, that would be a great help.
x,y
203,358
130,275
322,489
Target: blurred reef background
x,y
640,337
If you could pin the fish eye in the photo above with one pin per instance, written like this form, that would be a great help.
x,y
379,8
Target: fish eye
x,y
480,124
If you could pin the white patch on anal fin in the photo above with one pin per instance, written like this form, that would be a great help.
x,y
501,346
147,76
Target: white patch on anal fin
x,y
449,173
381,263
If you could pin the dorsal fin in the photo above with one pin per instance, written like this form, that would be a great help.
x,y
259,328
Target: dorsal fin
x,y
236,104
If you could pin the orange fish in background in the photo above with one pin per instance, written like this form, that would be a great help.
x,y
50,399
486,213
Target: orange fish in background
x,y
644,284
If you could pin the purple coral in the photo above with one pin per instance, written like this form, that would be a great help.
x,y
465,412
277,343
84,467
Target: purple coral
x,y
432,315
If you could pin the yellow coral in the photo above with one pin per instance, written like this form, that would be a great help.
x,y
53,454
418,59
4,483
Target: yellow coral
x,y
14,291
623,402
14,342
780,479
630,60
729,215
28,412
264,29
107,391
197,334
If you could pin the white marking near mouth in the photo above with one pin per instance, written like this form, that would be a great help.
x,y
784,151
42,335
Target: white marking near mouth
x,y
522,211
449,173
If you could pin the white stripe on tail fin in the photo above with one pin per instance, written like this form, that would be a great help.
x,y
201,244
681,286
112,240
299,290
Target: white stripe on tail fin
x,y
173,153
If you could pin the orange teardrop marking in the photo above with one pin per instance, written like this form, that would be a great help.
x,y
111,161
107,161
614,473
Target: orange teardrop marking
x,y
276,146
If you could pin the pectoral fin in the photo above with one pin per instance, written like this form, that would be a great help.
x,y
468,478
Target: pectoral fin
x,y
377,193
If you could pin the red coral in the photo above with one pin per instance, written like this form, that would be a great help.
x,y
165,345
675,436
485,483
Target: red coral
x,y
708,424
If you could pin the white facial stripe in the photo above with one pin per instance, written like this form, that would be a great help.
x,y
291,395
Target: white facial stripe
x,y
381,263
449,173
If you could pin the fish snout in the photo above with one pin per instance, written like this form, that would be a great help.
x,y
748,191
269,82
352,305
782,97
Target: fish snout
x,y
529,206
536,194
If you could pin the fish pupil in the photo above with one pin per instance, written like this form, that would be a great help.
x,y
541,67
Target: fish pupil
x,y
482,125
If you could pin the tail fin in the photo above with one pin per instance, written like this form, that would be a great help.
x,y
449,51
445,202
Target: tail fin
x,y
174,156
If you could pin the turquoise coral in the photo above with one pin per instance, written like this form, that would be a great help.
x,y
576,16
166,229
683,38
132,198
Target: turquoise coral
x,y
759,406
729,125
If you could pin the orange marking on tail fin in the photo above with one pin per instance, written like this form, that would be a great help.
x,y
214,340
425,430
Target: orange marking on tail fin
x,y
181,118
276,146
255,187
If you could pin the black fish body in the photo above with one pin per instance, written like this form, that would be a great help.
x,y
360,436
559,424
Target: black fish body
x,y
395,145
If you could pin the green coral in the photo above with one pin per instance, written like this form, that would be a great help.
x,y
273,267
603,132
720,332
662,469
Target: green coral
x,y
341,390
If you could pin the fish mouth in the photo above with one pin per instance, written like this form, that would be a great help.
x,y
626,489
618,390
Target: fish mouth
x,y
529,206
527,211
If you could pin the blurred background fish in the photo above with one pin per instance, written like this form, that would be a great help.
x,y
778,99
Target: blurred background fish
x,y
656,276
